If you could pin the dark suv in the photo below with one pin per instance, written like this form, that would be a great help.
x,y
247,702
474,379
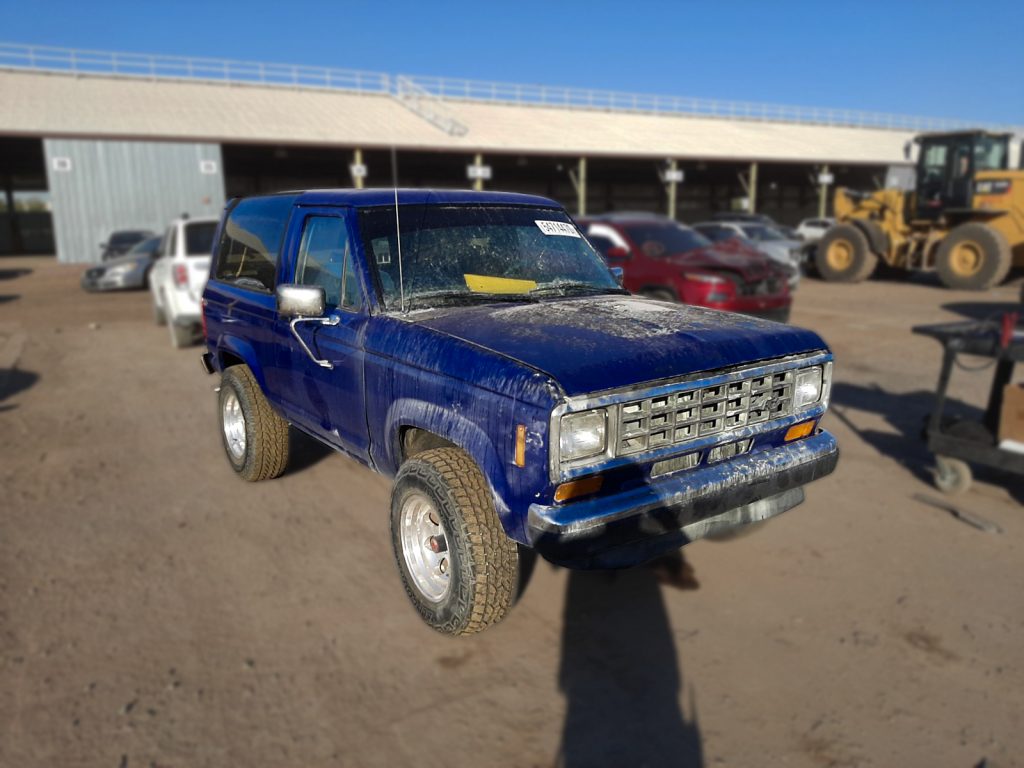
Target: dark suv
x,y
665,260
488,360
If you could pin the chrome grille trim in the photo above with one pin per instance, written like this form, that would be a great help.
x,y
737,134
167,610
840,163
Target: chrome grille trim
x,y
612,398
676,418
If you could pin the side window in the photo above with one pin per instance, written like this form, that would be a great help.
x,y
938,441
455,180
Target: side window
x,y
325,259
248,251
172,242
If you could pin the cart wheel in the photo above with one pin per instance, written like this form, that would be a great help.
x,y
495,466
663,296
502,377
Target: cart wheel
x,y
952,475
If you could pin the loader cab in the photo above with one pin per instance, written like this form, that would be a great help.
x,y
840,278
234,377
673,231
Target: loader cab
x,y
946,164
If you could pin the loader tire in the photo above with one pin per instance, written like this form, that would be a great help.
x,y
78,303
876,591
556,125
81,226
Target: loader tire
x,y
844,255
973,257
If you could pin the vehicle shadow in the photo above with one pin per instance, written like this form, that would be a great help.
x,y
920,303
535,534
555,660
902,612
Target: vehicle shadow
x,y
907,413
5,298
11,274
13,381
620,671
304,452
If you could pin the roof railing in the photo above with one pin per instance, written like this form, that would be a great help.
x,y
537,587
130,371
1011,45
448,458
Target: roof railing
x,y
155,66
426,94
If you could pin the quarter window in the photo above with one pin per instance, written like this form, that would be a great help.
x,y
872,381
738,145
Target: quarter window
x,y
249,247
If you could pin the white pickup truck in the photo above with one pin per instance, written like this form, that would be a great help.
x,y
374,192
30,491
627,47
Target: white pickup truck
x,y
179,276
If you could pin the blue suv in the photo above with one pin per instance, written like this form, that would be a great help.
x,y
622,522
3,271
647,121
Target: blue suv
x,y
475,347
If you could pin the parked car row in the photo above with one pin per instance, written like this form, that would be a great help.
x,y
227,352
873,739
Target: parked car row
x,y
734,262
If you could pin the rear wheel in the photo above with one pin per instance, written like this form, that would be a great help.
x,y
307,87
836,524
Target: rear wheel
x,y
181,335
973,257
158,313
459,568
844,255
255,438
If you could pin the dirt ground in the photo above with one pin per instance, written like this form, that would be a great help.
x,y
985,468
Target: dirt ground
x,y
157,611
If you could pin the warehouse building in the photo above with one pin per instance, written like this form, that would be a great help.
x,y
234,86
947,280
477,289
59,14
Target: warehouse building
x,y
93,142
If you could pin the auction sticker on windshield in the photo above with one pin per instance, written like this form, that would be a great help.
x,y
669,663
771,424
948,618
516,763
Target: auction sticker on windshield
x,y
557,228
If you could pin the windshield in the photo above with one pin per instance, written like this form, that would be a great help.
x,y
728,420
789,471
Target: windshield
x,y
199,238
990,153
146,246
665,239
762,233
473,253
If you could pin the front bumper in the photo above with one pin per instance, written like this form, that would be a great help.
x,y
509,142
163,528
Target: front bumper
x,y
116,283
628,528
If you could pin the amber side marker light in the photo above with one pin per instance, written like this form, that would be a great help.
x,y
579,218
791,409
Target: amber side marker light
x,y
576,488
799,430
520,459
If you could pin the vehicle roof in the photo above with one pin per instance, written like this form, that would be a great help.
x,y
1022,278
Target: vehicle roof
x,y
386,196
194,219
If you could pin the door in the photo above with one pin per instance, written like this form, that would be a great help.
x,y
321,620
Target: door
x,y
945,171
328,401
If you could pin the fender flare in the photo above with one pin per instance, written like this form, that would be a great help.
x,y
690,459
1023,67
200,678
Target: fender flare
x,y
461,432
243,350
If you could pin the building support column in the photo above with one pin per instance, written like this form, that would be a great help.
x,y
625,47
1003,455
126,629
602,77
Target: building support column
x,y
357,169
823,191
478,182
673,171
752,189
581,187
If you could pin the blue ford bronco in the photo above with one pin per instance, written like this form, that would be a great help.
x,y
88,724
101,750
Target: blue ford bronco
x,y
475,347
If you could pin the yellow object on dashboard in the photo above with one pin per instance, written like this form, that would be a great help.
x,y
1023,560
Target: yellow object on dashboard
x,y
488,284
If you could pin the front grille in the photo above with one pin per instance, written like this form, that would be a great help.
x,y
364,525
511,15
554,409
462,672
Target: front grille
x,y
679,417
95,273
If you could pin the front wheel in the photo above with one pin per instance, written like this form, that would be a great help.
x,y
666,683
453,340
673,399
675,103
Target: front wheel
x,y
459,568
952,476
973,257
255,437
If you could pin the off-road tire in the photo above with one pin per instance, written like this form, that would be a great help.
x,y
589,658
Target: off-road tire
x,y
266,433
844,255
484,561
987,265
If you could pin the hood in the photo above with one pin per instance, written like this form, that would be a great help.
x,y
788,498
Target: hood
x,y
597,343
752,266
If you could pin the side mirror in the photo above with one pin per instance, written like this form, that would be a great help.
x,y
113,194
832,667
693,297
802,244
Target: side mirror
x,y
618,274
300,301
617,252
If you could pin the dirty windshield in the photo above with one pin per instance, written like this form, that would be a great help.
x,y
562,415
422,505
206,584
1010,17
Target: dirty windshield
x,y
464,254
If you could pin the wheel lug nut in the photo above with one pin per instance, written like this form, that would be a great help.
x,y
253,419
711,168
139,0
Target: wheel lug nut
x,y
437,544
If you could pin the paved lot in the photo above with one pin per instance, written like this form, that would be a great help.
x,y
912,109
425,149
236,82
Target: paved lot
x,y
156,611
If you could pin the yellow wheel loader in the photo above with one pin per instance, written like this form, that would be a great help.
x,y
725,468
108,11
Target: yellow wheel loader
x,y
964,218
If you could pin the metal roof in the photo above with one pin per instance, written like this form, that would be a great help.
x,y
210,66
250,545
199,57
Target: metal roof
x,y
101,106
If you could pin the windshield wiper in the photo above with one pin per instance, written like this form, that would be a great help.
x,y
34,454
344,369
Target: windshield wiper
x,y
575,289
451,298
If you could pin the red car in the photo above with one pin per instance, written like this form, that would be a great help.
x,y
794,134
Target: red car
x,y
665,260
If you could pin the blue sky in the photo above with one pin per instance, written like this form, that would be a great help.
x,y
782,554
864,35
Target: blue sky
x,y
960,60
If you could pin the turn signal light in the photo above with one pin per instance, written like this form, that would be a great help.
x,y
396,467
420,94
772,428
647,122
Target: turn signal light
x,y
797,431
576,488
520,458
180,275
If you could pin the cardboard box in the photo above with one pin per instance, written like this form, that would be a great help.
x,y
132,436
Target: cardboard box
x,y
1011,419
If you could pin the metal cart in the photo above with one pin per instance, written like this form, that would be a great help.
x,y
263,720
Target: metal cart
x,y
958,443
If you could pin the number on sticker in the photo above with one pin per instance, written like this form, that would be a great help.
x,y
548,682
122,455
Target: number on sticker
x,y
562,228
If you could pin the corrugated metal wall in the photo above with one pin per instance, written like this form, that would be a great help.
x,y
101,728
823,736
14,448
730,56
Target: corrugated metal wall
x,y
97,187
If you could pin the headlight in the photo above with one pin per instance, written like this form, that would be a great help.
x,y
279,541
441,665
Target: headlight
x,y
810,386
582,434
120,269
